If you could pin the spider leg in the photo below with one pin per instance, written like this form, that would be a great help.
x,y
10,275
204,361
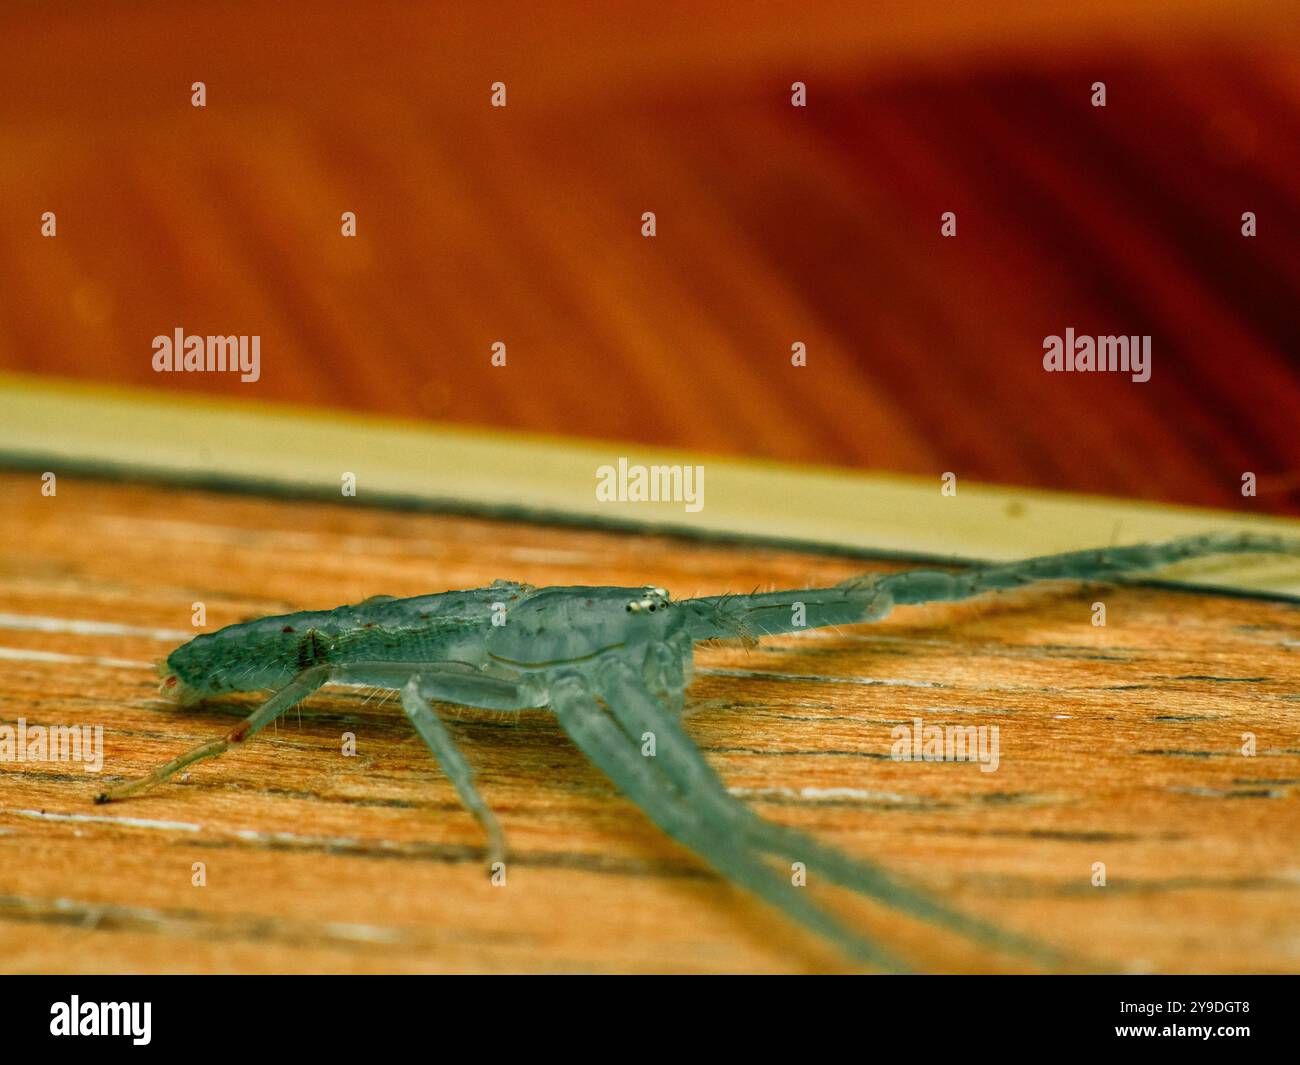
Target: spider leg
x,y
448,681
871,596
637,712
415,701
619,758
297,689
1101,564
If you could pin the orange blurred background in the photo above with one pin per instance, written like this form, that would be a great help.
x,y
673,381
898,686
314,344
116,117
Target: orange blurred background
x,y
775,224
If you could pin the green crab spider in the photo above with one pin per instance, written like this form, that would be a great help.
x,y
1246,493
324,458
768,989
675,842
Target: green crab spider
x,y
614,664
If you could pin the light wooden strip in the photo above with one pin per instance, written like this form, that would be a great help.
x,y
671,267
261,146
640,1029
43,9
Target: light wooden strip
x,y
77,426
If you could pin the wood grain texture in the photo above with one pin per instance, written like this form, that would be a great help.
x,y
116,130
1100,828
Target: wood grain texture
x,y
1119,745
775,224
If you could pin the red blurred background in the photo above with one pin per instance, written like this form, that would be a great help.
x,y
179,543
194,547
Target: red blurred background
x,y
775,224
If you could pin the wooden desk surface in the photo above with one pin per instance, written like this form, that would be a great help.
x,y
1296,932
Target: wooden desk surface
x,y
1118,745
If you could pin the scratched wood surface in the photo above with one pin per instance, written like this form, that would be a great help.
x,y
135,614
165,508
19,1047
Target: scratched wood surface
x,y
1118,745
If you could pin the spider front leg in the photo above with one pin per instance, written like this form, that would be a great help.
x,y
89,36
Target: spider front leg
x,y
871,596
638,712
619,757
